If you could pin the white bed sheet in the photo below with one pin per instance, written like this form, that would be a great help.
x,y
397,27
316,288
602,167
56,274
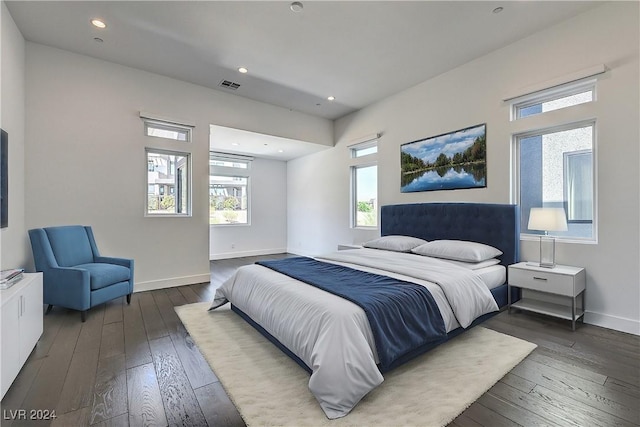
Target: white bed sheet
x,y
493,276
332,335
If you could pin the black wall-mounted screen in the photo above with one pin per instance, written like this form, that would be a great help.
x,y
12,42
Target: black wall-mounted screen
x,y
4,184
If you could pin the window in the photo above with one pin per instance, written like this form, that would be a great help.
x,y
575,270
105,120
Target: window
x,y
556,169
364,150
168,183
578,185
166,129
554,99
364,184
555,163
365,195
229,179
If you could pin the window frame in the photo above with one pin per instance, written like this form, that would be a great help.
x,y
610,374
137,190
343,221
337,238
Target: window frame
x,y
516,187
355,149
167,126
177,192
565,170
552,94
357,162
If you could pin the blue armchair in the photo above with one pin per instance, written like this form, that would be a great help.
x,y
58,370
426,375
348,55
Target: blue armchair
x,y
74,274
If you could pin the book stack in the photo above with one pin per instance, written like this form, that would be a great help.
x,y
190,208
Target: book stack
x,y
10,277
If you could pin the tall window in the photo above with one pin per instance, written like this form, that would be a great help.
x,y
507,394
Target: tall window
x,y
556,170
229,180
555,166
364,184
168,179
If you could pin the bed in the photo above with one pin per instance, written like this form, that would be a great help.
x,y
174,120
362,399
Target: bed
x,y
337,340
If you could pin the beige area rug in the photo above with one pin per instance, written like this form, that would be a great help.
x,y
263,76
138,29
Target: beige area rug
x,y
269,389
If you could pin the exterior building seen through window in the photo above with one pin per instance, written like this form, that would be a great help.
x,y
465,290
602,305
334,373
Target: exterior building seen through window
x,y
168,178
556,170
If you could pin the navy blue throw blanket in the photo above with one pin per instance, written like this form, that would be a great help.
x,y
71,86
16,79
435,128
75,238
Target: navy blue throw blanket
x,y
404,317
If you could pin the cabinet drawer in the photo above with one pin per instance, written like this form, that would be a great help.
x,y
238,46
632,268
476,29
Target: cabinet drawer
x,y
560,284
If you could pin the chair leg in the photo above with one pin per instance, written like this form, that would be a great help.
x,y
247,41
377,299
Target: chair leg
x,y
129,299
49,307
83,315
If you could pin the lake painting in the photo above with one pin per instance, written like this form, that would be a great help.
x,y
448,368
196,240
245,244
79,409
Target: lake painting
x,y
445,162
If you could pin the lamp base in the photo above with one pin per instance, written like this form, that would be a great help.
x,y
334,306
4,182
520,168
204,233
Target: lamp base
x,y
547,252
537,264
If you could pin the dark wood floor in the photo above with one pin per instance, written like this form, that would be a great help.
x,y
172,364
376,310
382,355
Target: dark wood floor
x,y
136,365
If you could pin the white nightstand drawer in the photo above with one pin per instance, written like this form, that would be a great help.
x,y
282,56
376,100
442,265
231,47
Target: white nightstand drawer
x,y
542,281
562,280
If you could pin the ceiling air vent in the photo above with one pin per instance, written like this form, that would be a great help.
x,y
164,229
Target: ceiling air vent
x,y
229,85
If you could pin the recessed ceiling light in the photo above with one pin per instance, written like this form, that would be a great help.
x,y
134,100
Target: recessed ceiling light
x,y
498,9
243,70
280,151
98,23
296,6
331,98
235,143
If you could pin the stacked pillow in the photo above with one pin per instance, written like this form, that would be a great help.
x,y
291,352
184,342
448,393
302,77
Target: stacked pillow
x,y
395,243
457,250
460,252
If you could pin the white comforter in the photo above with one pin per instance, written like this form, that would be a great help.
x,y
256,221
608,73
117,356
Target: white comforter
x,y
332,335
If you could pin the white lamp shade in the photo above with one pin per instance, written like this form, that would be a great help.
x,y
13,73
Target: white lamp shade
x,y
547,219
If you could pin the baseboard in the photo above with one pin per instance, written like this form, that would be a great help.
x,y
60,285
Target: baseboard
x,y
172,282
621,324
241,254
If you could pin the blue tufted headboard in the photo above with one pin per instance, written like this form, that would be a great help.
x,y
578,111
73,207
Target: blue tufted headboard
x,y
492,224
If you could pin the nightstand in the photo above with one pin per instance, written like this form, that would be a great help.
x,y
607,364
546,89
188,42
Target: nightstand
x,y
562,280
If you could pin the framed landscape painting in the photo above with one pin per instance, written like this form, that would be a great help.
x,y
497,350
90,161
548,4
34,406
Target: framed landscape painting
x,y
450,161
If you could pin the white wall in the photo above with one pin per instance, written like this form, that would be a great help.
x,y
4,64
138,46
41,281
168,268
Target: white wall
x,y
14,242
86,164
318,185
267,233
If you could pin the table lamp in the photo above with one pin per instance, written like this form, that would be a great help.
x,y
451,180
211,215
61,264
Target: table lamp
x,y
547,219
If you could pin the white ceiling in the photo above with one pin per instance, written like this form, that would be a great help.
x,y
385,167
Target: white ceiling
x,y
358,51
237,141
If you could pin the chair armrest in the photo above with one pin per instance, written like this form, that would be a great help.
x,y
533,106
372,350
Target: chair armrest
x,y
67,286
125,262
68,274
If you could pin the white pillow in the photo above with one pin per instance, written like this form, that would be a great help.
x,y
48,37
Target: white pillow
x,y
394,243
458,250
474,265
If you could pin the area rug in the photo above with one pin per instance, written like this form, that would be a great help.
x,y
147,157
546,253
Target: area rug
x,y
269,389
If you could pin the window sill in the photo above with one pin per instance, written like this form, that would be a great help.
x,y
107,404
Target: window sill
x,y
536,237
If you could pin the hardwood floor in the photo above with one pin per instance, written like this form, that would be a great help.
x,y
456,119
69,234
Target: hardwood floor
x,y
136,365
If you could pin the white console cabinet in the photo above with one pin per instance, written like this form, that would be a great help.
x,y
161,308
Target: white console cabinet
x,y
21,317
